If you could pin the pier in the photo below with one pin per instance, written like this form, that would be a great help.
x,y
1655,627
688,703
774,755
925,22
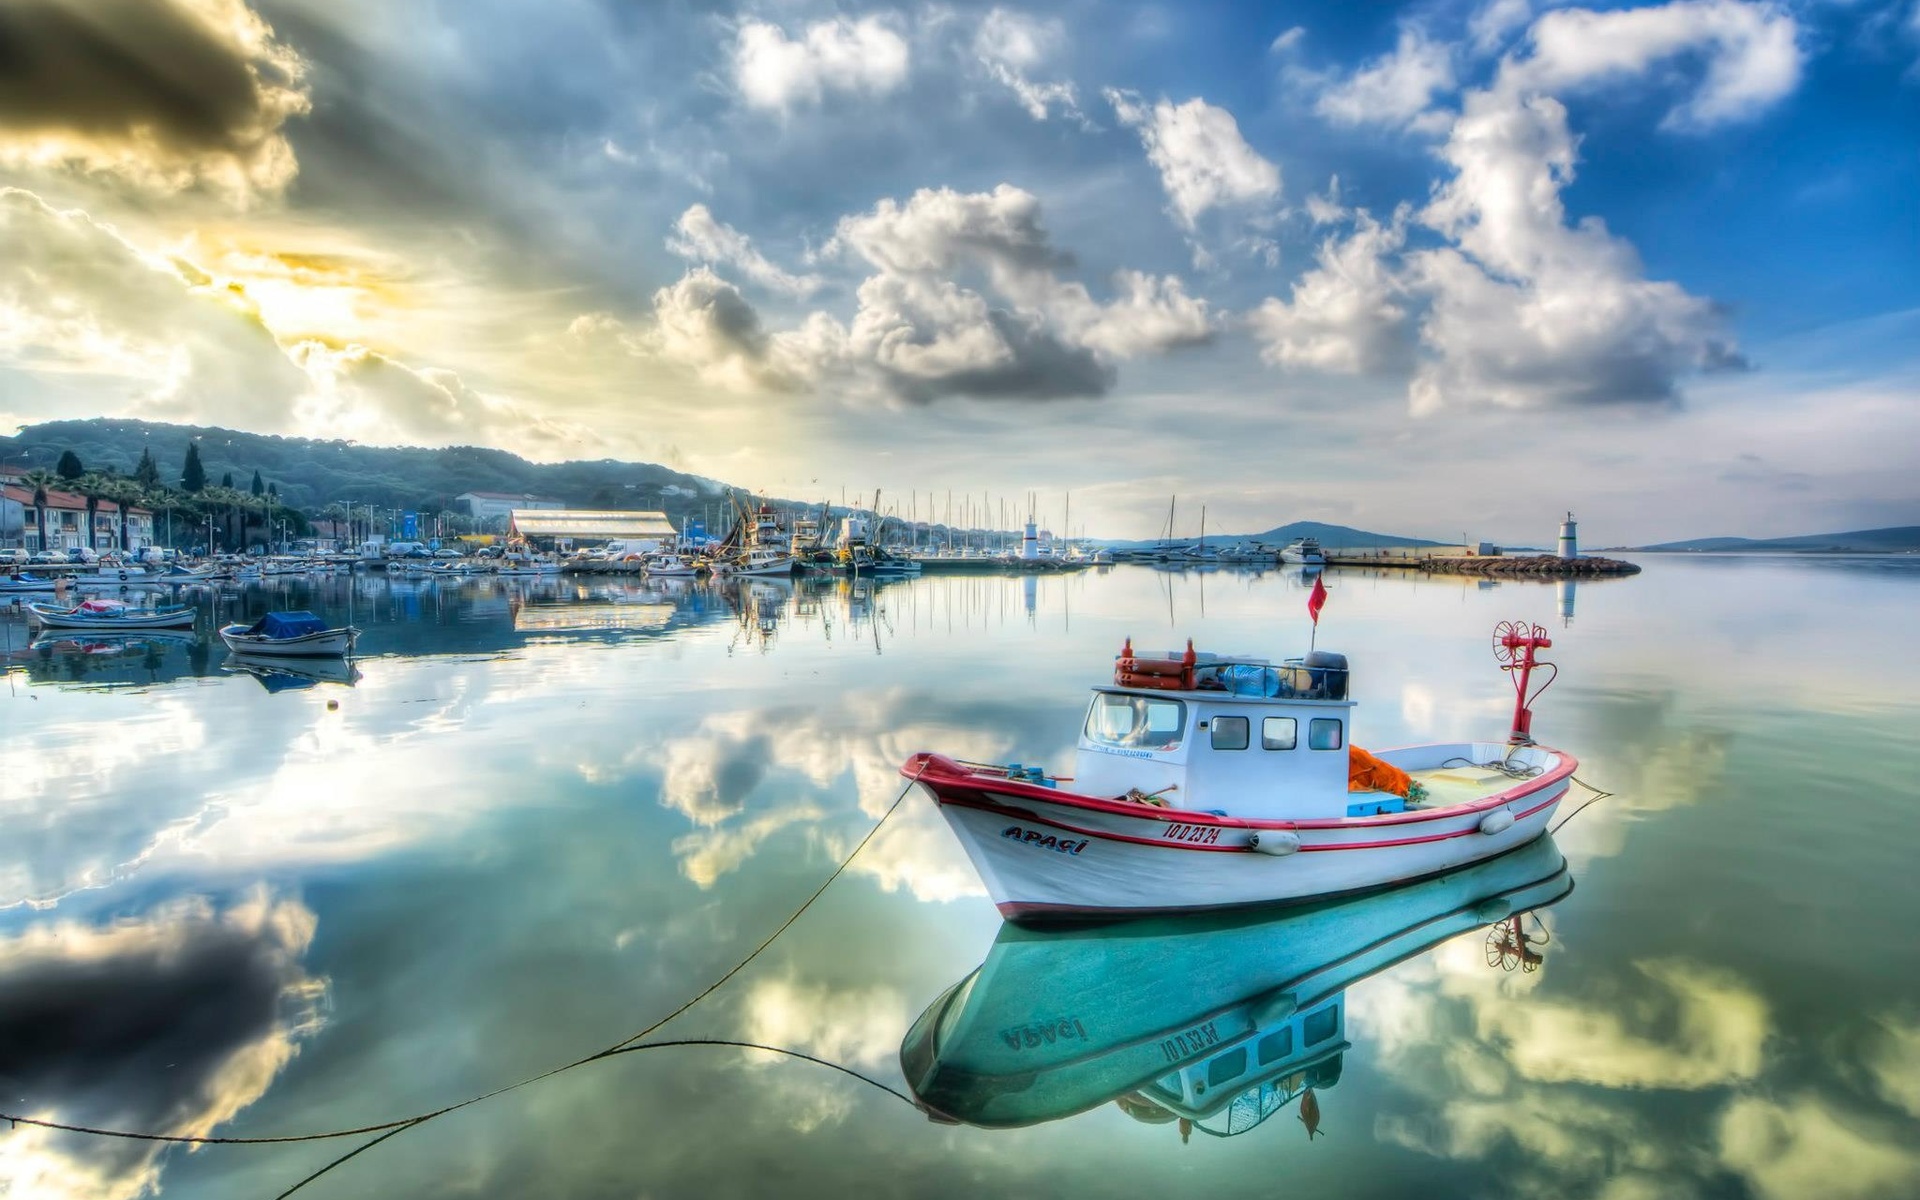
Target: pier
x,y
1461,560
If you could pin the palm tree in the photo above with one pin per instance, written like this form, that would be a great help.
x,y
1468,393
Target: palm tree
x,y
94,486
40,479
124,493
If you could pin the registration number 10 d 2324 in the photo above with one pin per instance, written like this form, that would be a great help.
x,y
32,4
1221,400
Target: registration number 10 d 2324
x,y
1199,835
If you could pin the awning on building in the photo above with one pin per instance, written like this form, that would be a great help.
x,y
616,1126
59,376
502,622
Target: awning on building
x,y
592,525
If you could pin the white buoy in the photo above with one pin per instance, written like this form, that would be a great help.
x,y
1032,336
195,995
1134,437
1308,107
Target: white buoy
x,y
1569,544
1277,842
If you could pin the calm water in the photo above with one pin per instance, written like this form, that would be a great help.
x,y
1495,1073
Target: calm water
x,y
545,814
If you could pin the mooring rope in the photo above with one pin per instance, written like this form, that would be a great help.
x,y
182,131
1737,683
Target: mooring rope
x,y
387,1129
1598,794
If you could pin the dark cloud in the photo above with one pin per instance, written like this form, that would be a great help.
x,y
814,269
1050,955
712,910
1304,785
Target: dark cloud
x,y
171,1022
164,90
1037,366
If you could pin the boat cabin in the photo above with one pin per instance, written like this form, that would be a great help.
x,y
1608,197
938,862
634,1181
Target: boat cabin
x,y
1208,732
1252,1077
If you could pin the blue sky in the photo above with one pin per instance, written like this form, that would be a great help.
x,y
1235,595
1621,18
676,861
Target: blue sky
x,y
1422,268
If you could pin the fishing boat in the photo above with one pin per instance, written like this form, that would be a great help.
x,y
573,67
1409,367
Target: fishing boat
x,y
26,583
671,566
761,560
1220,1020
289,635
112,616
1304,552
1205,781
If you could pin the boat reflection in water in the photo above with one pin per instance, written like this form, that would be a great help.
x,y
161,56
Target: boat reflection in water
x,y
1216,1022
292,674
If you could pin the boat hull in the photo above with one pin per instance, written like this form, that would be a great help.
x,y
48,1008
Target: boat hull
x,y
328,643
49,618
1049,855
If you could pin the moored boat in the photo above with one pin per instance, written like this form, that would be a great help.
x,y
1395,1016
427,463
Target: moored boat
x,y
290,635
1205,782
112,616
1304,552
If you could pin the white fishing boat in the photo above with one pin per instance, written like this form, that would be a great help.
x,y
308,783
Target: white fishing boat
x,y
289,635
671,566
1304,552
763,560
26,583
1205,782
111,616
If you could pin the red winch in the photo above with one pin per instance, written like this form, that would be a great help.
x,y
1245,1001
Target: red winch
x,y
1514,643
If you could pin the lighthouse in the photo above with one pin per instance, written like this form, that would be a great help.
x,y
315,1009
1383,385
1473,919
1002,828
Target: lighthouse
x,y
1030,542
1569,543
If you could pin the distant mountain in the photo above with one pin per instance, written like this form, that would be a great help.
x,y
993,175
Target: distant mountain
x,y
311,473
1900,539
1341,536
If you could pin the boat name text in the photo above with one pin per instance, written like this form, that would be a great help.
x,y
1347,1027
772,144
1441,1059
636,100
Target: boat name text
x,y
1042,841
1043,1033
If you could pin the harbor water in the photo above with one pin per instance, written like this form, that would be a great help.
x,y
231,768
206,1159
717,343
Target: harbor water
x,y
538,815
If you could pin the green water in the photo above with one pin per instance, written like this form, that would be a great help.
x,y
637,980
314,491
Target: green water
x,y
545,814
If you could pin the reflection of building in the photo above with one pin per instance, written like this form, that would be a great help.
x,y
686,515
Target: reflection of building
x,y
1216,1021
567,528
493,509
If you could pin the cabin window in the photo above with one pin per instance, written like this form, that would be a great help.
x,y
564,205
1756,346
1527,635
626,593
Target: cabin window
x,y
1279,733
1227,1068
1275,1046
1323,733
1320,1026
1230,733
1136,722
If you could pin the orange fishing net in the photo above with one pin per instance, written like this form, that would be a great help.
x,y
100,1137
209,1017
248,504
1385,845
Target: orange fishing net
x,y
1365,773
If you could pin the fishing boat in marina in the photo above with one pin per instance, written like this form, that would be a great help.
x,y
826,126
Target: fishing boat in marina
x,y
1219,1020
760,560
289,635
672,566
111,616
27,583
1304,552
1206,781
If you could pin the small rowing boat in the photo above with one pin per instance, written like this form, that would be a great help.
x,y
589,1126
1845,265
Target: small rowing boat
x,y
1205,782
289,635
112,616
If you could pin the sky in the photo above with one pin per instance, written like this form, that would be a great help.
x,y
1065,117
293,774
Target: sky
x,y
1439,268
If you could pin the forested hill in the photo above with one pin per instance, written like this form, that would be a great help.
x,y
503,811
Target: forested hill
x,y
311,473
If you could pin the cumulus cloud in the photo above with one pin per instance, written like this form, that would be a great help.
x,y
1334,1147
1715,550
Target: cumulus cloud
x,y
1801,1147
1010,46
1203,161
77,298
174,1022
163,94
1520,306
1350,312
1527,310
699,236
867,57
1752,54
917,334
1396,88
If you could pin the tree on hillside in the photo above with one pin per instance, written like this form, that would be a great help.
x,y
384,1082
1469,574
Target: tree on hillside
x,y
226,481
70,467
147,472
194,476
259,488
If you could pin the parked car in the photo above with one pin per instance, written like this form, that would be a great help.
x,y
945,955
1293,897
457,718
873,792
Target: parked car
x,y
47,557
17,558
80,554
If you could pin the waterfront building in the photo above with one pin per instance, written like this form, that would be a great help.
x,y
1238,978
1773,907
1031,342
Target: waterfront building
x,y
492,510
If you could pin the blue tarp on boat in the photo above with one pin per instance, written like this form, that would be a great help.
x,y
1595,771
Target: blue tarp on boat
x,y
288,625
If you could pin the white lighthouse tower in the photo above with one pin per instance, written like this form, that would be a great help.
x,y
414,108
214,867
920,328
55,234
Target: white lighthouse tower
x,y
1569,542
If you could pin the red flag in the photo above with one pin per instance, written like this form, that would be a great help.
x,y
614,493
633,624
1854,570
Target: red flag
x,y
1318,600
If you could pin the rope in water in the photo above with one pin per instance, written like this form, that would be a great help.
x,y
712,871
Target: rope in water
x,y
387,1129
1598,794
